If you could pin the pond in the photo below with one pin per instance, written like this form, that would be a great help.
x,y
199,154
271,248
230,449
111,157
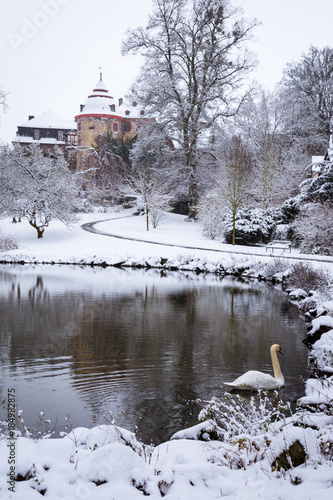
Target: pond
x,y
78,343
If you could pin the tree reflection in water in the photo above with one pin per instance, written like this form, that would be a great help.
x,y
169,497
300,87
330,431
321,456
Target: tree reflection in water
x,y
138,342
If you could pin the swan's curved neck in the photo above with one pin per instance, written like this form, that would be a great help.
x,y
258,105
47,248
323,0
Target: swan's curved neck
x,y
276,365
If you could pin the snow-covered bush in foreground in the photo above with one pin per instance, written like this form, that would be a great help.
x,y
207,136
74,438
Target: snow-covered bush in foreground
x,y
234,414
108,462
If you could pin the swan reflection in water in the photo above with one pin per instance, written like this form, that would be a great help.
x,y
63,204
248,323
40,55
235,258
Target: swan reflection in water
x,y
258,380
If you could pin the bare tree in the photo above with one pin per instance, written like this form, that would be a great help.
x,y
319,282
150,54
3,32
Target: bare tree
x,y
235,176
3,100
261,120
150,172
307,87
36,187
104,170
313,230
194,70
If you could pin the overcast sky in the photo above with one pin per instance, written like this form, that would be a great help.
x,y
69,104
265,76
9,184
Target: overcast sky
x,y
51,50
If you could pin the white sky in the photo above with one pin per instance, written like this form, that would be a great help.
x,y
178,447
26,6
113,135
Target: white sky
x,y
51,49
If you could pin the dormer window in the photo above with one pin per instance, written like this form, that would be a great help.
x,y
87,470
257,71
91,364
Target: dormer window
x,y
127,112
113,107
36,135
60,136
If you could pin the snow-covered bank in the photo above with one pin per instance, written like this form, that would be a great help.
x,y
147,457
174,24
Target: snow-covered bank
x,y
107,461
123,239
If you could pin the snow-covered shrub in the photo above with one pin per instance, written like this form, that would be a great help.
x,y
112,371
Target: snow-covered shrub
x,y
236,415
288,211
304,275
320,188
282,232
42,429
84,206
313,229
252,226
211,214
276,267
7,243
157,214
321,355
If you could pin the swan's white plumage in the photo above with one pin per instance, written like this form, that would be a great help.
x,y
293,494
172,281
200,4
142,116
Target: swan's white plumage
x,y
257,380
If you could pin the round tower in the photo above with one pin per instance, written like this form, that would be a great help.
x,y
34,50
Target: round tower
x,y
97,116
100,115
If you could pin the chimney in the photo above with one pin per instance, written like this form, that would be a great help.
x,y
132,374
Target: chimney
x,y
121,101
81,107
31,117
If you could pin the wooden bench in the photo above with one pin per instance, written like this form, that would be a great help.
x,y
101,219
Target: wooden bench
x,y
279,245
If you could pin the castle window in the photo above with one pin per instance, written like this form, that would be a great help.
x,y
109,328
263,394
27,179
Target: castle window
x,y
79,142
115,127
36,135
60,136
79,126
127,127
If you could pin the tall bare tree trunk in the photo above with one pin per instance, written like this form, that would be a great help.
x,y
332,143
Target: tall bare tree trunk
x,y
147,218
233,228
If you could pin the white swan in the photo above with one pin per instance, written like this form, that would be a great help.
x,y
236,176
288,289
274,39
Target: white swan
x,y
258,380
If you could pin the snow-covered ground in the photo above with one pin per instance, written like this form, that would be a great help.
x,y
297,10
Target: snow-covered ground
x,y
174,239
107,462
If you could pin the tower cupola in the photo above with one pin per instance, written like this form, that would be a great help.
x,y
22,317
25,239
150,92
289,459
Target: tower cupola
x,y
98,103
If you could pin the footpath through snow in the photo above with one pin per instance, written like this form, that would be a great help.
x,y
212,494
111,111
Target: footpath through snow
x,y
175,239
107,462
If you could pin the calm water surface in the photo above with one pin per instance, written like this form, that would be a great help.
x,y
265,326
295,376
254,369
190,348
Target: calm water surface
x,y
82,342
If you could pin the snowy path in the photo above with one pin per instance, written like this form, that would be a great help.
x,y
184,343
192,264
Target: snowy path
x,y
112,232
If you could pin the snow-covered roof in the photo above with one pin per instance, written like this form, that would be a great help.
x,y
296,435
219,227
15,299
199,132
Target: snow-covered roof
x,y
48,119
317,159
100,85
100,103
30,140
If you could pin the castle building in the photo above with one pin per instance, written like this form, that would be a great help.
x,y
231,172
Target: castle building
x,y
48,131
101,114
